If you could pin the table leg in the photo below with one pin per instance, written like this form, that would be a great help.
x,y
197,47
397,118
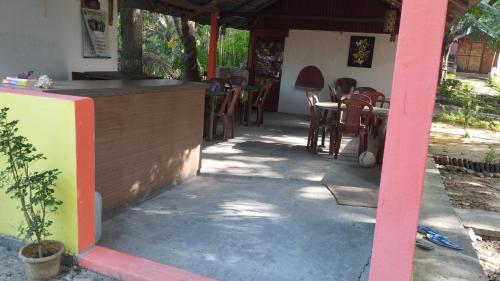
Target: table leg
x,y
211,116
316,132
248,110
381,140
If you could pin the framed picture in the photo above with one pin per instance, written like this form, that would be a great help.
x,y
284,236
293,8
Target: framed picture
x,y
361,51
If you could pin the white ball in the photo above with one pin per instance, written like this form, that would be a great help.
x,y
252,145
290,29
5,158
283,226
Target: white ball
x,y
367,159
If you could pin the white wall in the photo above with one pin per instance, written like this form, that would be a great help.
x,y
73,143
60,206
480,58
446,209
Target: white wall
x,y
46,36
328,51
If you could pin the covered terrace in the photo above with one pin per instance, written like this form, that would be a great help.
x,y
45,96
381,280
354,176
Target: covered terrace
x,y
260,207
258,219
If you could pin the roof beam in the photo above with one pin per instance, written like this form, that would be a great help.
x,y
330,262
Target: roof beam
x,y
463,5
189,6
212,5
298,17
394,3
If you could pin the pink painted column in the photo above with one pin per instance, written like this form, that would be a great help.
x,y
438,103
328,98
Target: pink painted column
x,y
415,79
212,48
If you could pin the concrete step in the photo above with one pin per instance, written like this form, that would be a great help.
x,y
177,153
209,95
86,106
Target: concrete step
x,y
482,222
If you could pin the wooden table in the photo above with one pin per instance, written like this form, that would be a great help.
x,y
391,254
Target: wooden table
x,y
249,102
212,101
333,106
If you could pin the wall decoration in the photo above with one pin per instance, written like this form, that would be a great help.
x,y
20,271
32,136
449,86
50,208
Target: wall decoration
x,y
361,51
95,34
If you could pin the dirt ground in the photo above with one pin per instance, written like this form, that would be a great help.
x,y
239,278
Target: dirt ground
x,y
470,191
11,268
488,250
449,140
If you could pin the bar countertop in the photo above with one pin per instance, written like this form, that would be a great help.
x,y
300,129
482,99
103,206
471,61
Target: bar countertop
x,y
98,88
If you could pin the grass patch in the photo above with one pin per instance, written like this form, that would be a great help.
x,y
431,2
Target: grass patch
x,y
458,118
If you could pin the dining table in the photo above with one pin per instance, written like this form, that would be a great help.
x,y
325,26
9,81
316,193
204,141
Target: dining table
x,y
382,112
212,97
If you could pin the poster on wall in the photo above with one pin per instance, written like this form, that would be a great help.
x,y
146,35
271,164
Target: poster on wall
x,y
361,51
95,34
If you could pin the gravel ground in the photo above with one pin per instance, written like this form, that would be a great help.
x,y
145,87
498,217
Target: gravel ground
x,y
11,269
488,250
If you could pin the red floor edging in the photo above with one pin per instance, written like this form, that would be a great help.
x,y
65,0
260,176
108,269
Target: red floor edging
x,y
131,268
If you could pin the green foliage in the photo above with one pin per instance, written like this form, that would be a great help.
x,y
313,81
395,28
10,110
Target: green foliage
x,y
457,117
470,108
454,92
469,105
491,156
481,20
34,190
163,49
494,82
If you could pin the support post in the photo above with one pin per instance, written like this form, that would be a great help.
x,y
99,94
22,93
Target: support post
x,y
414,85
212,49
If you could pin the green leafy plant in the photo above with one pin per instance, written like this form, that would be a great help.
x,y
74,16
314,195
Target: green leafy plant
x,y
469,109
491,156
34,190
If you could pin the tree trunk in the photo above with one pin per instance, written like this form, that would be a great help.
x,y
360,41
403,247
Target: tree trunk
x,y
131,33
186,32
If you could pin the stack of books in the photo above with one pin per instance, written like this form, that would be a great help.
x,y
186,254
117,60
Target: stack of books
x,y
15,81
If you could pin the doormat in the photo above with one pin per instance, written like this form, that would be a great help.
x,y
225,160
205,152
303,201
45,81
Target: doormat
x,y
354,196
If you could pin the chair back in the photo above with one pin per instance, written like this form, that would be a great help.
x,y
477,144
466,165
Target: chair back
x,y
359,89
376,98
264,90
345,86
333,94
351,120
229,104
360,97
312,99
237,81
215,85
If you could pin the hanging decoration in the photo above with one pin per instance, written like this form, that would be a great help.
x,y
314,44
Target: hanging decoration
x,y
390,22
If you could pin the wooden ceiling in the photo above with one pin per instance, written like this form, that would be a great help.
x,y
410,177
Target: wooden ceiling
x,y
243,13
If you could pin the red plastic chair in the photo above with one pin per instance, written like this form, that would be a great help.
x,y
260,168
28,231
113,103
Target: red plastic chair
x,y
316,121
377,99
226,112
345,86
261,99
350,121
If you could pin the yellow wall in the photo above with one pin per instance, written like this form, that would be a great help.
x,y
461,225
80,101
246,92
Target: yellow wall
x,y
49,124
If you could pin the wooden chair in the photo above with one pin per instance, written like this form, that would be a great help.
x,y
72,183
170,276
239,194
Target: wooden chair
x,y
333,94
377,99
261,99
350,121
226,112
359,89
345,86
316,121
360,97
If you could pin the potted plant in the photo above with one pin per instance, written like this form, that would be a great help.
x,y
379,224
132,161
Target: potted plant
x,y
34,192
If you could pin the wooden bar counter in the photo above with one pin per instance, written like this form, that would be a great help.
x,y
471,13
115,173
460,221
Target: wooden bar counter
x,y
148,134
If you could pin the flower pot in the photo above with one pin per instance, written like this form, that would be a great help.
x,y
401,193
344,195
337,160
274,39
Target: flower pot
x,y
42,269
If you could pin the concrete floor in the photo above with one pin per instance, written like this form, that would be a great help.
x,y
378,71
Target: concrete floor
x,y
258,211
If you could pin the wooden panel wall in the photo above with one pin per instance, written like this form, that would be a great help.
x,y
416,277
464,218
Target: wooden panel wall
x,y
334,15
146,141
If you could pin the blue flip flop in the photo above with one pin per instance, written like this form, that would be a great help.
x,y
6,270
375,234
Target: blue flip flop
x,y
443,241
422,229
